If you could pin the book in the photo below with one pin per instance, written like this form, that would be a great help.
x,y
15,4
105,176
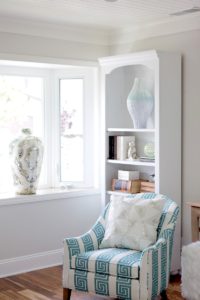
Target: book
x,y
147,159
127,186
111,147
122,146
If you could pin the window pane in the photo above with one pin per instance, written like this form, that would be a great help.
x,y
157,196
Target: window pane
x,y
21,106
71,129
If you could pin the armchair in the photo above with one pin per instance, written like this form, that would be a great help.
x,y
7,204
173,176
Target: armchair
x,y
120,273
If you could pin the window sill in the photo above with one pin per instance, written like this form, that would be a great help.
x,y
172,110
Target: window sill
x,y
45,195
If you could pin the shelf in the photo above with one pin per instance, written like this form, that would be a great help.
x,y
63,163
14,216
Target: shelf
x,y
130,130
118,193
133,163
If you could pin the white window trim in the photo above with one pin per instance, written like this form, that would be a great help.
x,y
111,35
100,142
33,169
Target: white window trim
x,y
52,177
46,195
90,145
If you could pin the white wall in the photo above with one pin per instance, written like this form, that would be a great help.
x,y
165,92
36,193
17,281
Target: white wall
x,y
188,44
31,234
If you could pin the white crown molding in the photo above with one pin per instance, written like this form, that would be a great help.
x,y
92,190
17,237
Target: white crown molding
x,y
29,263
163,28
101,37
56,31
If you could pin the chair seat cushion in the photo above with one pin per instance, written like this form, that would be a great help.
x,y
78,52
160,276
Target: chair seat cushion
x,y
111,261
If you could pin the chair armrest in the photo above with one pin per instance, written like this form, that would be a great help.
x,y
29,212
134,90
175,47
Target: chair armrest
x,y
86,242
155,265
76,245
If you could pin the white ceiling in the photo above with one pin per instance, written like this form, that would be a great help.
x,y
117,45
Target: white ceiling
x,y
97,14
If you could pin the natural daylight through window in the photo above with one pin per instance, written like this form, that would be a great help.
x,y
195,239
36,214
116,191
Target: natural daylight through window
x,y
58,104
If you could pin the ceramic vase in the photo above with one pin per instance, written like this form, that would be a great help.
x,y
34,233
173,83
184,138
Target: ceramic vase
x,y
149,150
26,154
140,104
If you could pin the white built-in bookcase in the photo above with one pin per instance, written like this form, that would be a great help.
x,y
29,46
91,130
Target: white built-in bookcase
x,y
162,74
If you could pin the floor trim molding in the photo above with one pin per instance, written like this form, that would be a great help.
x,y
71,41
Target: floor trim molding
x,y
31,262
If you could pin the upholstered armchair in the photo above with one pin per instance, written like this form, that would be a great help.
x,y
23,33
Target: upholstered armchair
x,y
120,272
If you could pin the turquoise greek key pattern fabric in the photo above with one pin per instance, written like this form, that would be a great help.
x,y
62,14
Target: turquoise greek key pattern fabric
x,y
73,246
154,272
112,261
163,216
80,281
102,284
123,288
174,215
163,266
105,285
129,265
99,230
88,242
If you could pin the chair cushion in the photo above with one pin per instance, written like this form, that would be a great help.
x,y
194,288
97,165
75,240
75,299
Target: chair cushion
x,y
111,261
132,223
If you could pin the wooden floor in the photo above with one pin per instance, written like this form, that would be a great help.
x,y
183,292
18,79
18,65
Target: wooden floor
x,y
46,284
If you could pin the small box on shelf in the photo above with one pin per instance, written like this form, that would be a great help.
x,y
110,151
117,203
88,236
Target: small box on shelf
x,y
127,186
147,187
128,175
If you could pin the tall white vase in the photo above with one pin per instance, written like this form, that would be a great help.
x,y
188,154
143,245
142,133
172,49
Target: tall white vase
x,y
140,104
26,154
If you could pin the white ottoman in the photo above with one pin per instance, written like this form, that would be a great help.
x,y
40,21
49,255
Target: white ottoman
x,y
190,263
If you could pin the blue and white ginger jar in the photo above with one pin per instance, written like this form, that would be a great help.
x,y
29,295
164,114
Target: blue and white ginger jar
x,y
26,154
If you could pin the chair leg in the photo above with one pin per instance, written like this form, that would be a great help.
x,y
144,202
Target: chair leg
x,y
66,293
163,295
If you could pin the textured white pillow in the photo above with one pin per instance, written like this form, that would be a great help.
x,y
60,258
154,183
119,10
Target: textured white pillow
x,y
132,223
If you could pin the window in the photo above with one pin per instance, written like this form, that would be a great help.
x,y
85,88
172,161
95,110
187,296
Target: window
x,y
71,131
59,106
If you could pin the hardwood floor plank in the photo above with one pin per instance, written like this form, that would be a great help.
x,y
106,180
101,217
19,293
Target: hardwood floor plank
x,y
33,295
5,285
4,297
46,284
13,295
26,283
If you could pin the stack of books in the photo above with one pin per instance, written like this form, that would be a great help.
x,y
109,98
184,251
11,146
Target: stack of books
x,y
126,186
118,146
147,159
147,187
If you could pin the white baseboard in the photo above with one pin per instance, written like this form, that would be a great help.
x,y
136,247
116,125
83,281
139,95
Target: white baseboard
x,y
32,262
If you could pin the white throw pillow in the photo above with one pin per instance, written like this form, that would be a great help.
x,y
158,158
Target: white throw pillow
x,y
132,223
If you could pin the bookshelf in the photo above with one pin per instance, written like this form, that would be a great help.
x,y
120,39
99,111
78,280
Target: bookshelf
x,y
117,130
161,73
131,163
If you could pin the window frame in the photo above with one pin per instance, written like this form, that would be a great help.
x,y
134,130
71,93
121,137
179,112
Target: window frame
x,y
89,85
51,110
